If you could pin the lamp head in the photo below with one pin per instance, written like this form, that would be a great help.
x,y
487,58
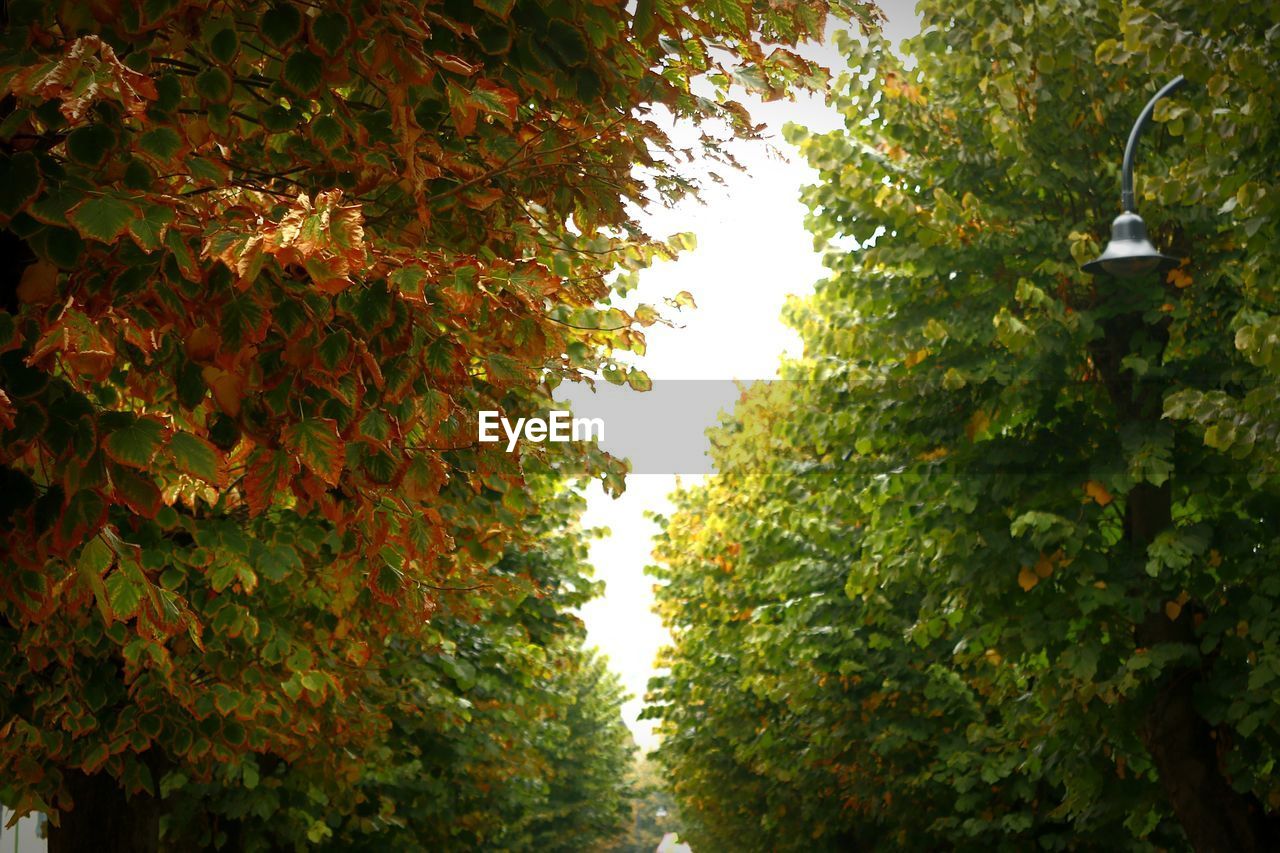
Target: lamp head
x,y
1130,251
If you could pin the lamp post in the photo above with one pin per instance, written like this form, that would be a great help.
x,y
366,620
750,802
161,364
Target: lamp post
x,y
1130,251
1182,743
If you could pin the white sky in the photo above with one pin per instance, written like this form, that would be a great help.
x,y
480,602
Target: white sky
x,y
752,252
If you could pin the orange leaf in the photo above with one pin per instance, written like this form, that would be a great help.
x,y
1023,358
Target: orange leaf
x,y
266,475
1098,492
456,64
1178,278
203,343
7,411
1044,568
316,444
39,284
977,425
423,478
1172,609
1027,579
227,388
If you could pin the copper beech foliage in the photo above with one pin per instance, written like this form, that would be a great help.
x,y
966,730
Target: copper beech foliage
x,y
264,261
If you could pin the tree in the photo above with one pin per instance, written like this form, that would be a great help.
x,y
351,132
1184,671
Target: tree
x,y
494,725
654,813
1053,627
264,262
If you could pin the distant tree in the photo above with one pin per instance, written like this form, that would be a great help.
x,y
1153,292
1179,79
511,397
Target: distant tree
x,y
654,813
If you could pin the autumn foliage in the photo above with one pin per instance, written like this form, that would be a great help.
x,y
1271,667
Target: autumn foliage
x,y
263,263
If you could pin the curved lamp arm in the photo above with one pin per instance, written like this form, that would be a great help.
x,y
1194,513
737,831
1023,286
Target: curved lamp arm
x,y
1144,118
1130,251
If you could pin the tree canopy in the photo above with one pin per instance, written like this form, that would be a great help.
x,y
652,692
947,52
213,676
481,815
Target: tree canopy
x,y
995,569
264,261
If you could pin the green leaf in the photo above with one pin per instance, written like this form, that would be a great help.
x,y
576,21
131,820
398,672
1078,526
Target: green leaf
x,y
224,44
90,145
182,254
213,84
643,22
567,43
315,682
139,176
137,491
497,8
409,279
278,562
375,426
333,350
124,592
373,306
148,231
103,218
95,758
459,670
95,559
83,515
330,30
162,143
195,456
20,182
249,774
281,24
639,380
304,71
136,443
60,246
327,131
229,568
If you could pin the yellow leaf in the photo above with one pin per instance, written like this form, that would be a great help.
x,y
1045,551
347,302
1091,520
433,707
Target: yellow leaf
x,y
1215,557
1172,609
916,357
1098,492
1027,579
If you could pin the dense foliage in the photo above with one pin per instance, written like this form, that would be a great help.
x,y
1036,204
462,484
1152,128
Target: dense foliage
x,y
997,571
504,734
263,262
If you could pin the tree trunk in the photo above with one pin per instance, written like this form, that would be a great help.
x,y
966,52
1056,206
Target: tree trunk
x,y
1215,817
1183,746
104,820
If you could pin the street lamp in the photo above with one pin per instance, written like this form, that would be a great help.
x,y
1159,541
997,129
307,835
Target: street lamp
x,y
1130,251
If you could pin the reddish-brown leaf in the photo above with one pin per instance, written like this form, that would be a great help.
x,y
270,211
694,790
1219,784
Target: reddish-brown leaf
x,y
267,474
316,444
